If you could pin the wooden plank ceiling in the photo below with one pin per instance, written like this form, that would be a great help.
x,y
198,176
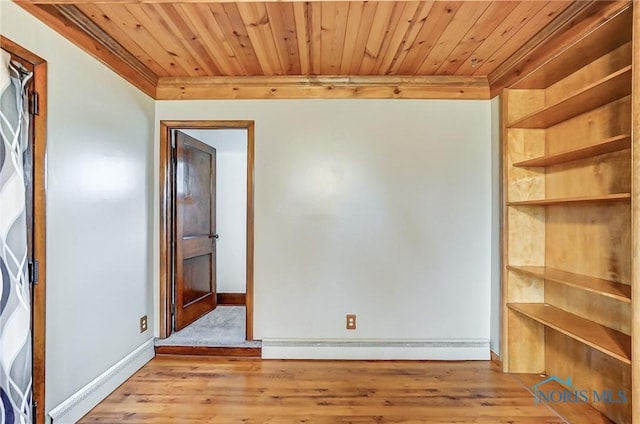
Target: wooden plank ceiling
x,y
198,49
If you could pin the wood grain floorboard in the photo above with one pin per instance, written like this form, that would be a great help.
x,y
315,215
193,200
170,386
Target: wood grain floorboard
x,y
220,390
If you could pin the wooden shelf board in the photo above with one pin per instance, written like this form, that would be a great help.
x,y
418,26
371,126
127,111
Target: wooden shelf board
x,y
603,39
606,90
600,286
609,145
604,339
618,197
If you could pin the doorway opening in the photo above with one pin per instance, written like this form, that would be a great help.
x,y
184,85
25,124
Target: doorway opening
x,y
206,232
34,177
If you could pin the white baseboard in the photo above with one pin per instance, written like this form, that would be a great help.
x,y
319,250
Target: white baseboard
x,y
85,399
444,350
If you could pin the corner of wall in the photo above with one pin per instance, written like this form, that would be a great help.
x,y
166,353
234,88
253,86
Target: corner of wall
x,y
85,399
495,225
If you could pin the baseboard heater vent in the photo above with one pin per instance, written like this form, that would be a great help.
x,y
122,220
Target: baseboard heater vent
x,y
436,349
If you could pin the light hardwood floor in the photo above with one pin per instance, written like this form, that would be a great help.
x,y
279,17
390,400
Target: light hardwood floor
x,y
211,390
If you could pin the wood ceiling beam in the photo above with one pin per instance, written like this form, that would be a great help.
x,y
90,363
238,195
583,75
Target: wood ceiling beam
x,y
51,2
324,87
200,1
68,21
212,1
580,18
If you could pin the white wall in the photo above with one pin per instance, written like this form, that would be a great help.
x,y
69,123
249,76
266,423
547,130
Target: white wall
x,y
495,225
231,205
99,203
376,207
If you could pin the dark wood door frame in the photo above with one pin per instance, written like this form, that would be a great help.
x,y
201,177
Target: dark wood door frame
x,y
166,221
39,128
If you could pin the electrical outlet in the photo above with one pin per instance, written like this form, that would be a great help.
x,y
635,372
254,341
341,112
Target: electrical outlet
x,y
143,324
351,321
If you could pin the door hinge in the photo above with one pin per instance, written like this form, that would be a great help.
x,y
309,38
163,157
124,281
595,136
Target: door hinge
x,y
34,103
173,309
174,152
34,271
173,141
34,411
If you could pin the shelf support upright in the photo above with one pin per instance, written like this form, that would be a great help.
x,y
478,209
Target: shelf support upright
x,y
635,217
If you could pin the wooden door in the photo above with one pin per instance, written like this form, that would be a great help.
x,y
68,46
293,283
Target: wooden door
x,y
34,170
195,230
27,361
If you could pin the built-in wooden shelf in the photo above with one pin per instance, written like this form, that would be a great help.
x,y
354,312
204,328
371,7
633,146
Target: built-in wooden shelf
x,y
583,51
606,288
607,198
612,87
568,315
609,145
604,339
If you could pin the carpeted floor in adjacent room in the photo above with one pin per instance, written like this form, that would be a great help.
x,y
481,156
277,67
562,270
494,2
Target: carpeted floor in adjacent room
x,y
224,326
